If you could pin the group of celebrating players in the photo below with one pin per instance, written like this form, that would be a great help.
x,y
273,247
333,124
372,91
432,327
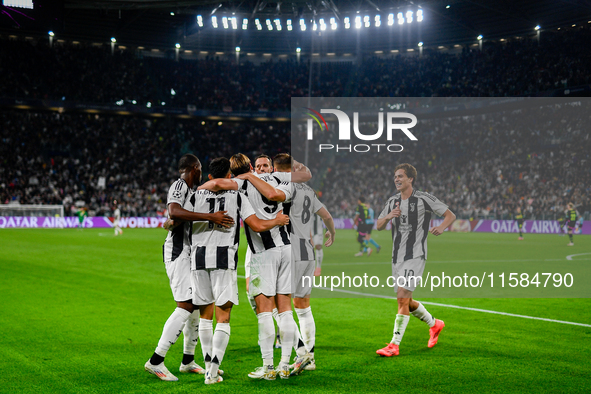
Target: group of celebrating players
x,y
201,256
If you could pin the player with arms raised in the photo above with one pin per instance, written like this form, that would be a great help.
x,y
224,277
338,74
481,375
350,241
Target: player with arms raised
x,y
410,212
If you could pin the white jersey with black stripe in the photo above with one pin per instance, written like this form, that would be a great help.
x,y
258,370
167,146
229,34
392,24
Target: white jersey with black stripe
x,y
178,238
214,246
266,210
304,205
410,230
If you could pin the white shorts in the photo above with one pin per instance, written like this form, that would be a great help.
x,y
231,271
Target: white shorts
x,y
214,286
270,272
247,263
179,275
116,223
404,272
303,269
318,239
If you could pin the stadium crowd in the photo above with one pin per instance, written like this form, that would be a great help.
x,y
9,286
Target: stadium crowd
x,y
484,168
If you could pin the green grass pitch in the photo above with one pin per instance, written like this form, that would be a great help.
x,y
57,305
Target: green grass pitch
x,y
82,311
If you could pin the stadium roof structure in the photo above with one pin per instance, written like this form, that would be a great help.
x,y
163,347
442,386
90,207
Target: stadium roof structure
x,y
164,23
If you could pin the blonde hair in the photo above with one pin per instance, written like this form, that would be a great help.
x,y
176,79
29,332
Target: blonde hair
x,y
239,164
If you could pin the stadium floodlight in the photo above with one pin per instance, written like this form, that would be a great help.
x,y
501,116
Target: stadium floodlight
x,y
298,49
278,24
409,16
244,24
234,23
419,15
314,26
199,20
378,21
347,22
214,22
171,13
172,92
448,6
289,26
400,18
420,44
358,22
237,49
18,3
257,22
537,28
51,33
225,22
390,19
177,45
149,104
366,21
302,25
133,102
333,23
269,24
322,24
113,40
479,38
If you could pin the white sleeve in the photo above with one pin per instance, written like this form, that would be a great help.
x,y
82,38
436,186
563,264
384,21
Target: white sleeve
x,y
244,206
282,176
437,206
316,204
178,193
285,187
386,209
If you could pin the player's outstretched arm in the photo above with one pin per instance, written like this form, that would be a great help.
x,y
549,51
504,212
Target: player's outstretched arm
x,y
300,173
176,212
215,185
329,223
260,225
448,218
267,190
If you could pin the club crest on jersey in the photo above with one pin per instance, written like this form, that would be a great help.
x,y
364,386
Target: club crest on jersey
x,y
412,206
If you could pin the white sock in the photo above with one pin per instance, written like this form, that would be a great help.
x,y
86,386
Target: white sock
x,y
399,328
319,257
221,336
266,336
276,315
171,331
307,327
206,334
191,333
287,329
424,315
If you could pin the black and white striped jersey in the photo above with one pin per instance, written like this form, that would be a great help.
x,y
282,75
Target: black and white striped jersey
x,y
304,205
178,238
267,210
410,230
214,246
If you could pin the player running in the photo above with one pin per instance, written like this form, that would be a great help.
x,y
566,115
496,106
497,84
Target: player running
x,y
571,221
176,258
410,212
214,256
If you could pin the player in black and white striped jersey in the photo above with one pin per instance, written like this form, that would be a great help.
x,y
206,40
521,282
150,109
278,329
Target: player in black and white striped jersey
x,y
214,256
410,212
176,250
271,270
305,207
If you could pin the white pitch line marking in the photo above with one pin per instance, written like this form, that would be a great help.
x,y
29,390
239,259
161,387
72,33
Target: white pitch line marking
x,y
456,307
570,257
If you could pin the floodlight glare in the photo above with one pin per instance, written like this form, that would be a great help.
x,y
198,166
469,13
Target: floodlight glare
x,y
177,46
408,16
234,23
419,15
448,6
225,22
51,34
347,22
113,39
237,49
378,21
479,38
358,22
200,20
214,22
298,49
537,28
400,18
390,19
421,44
